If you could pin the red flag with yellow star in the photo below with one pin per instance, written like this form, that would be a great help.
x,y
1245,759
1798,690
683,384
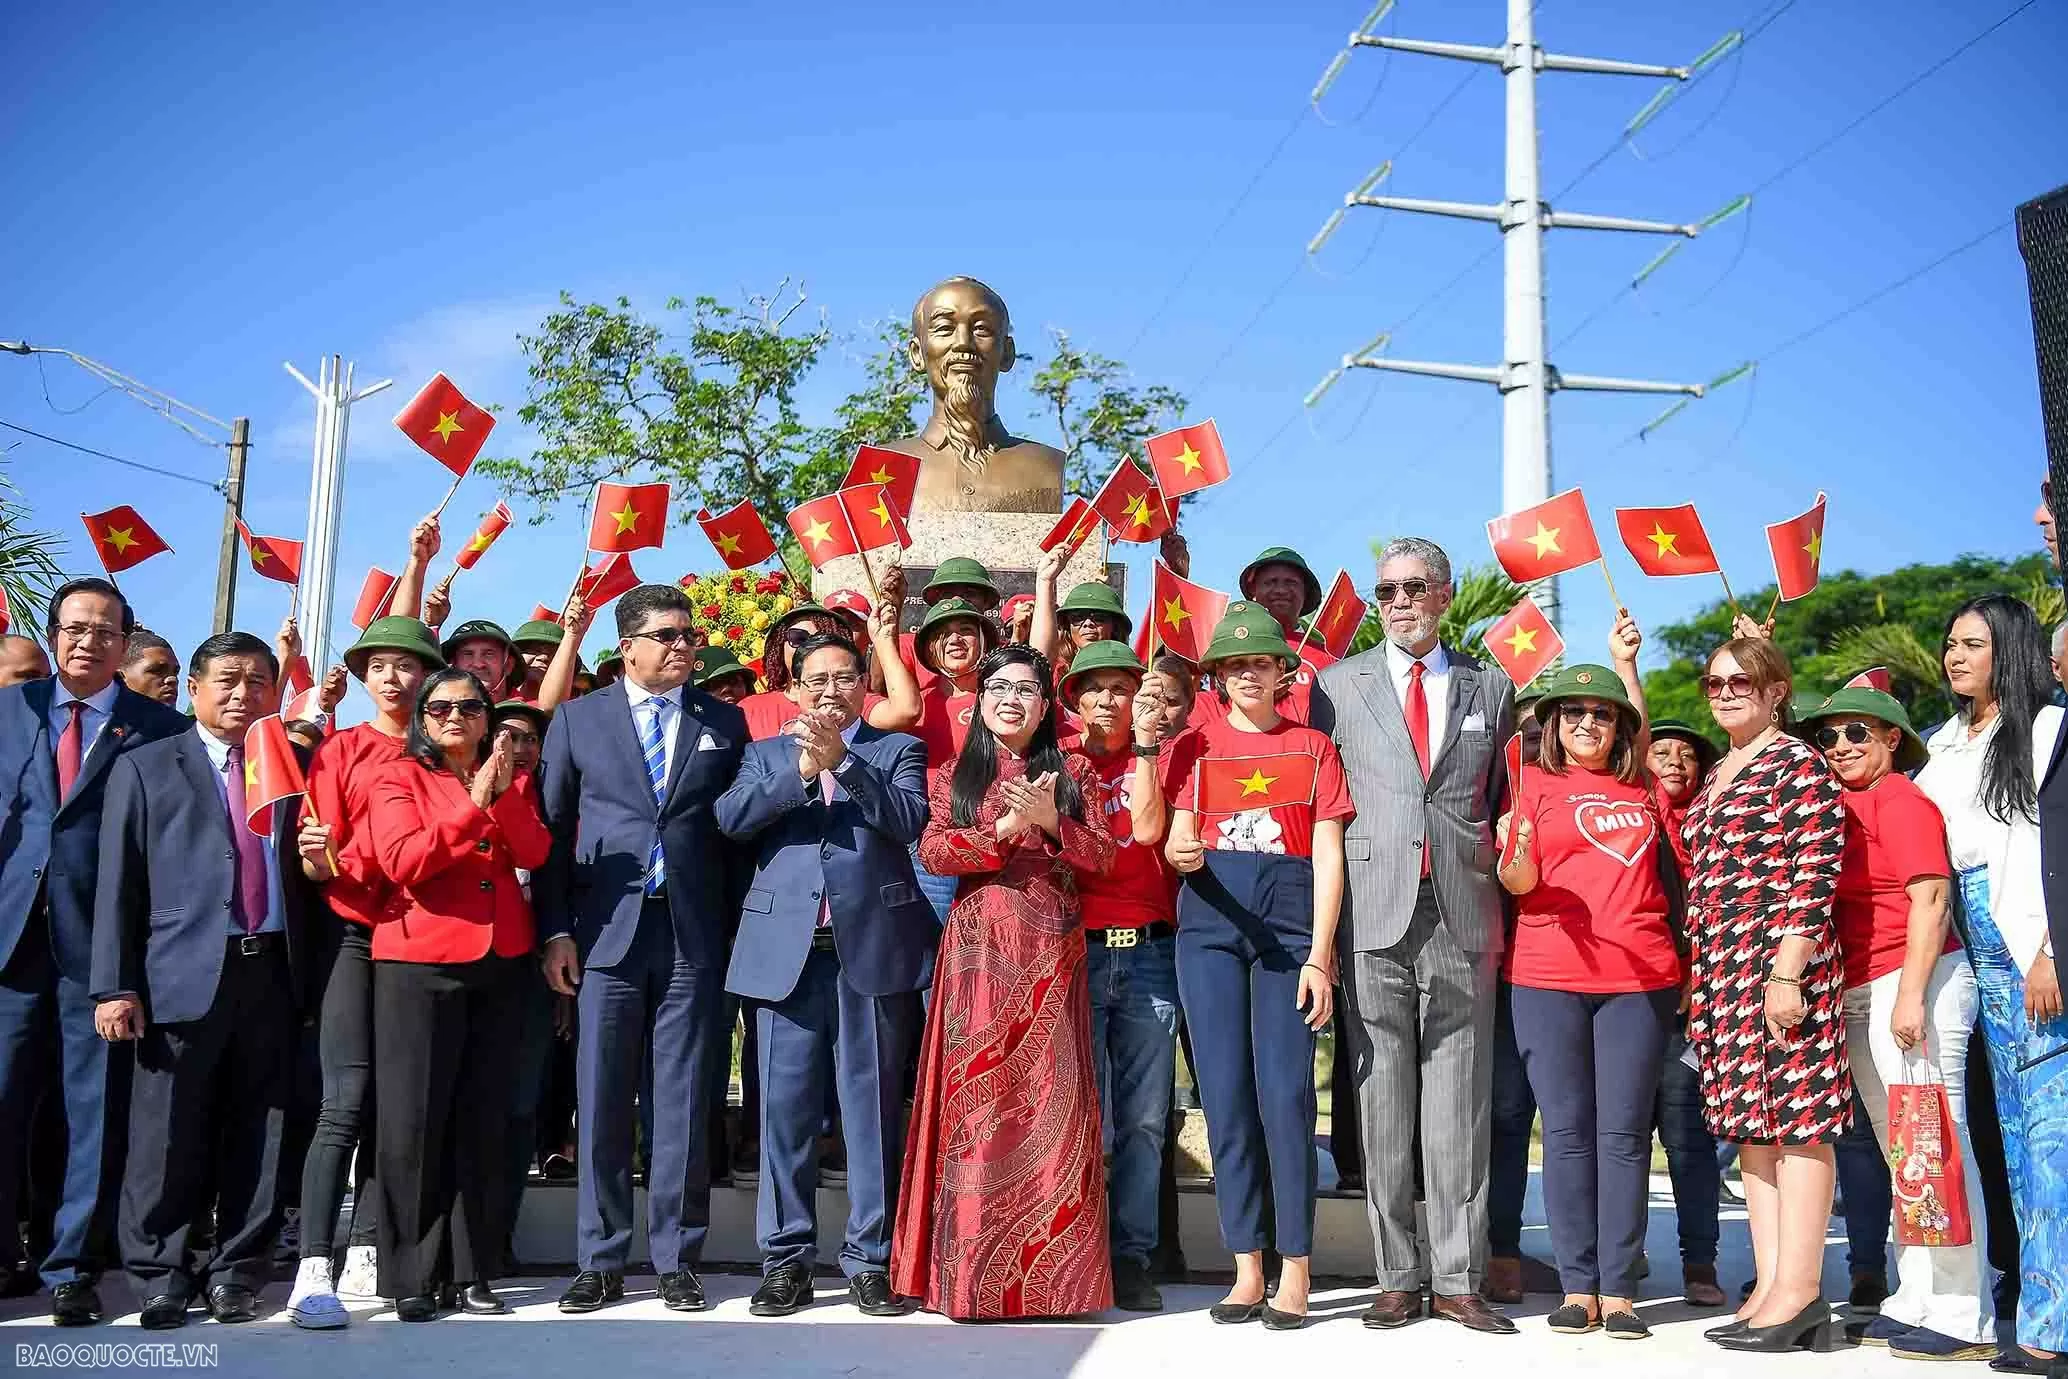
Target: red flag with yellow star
x,y
1524,642
894,469
1798,547
1073,529
445,426
629,516
376,596
1554,536
1181,616
271,773
1335,623
738,535
1187,459
606,579
873,518
1231,785
823,531
275,557
1667,541
121,538
6,616
1130,503
493,524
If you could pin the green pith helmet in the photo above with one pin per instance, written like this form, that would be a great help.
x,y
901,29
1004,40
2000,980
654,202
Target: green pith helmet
x,y
393,633
957,572
477,629
1882,708
947,610
608,657
1107,655
1529,694
1801,704
1095,597
1283,555
715,663
517,708
1248,629
1584,682
540,630
1705,750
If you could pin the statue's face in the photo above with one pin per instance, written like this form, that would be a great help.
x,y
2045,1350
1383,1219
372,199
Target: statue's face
x,y
962,338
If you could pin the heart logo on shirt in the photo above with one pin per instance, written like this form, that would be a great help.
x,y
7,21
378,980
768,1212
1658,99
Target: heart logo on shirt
x,y
1623,831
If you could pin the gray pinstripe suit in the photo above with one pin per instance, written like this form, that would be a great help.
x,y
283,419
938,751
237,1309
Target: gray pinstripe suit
x,y
1421,954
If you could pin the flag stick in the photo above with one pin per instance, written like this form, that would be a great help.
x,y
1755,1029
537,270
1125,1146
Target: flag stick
x,y
1735,610
1305,633
440,509
868,571
1613,596
1774,607
329,852
294,601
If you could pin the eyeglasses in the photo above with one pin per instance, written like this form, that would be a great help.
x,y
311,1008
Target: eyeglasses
x,y
96,634
819,684
1013,689
1739,684
1855,733
1581,713
665,636
442,709
1415,589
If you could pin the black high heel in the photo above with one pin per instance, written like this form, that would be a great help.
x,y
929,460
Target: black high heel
x,y
1809,1329
1729,1328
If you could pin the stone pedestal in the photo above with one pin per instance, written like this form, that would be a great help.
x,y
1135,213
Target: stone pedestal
x,y
1008,544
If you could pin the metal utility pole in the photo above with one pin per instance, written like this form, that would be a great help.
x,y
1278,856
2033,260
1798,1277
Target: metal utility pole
x,y
233,512
1525,377
334,396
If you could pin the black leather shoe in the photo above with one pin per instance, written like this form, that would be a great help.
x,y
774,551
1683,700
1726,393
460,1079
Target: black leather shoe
x,y
1275,1320
1235,1313
591,1289
1809,1329
77,1303
421,1308
230,1303
786,1289
1133,1289
163,1313
683,1291
480,1300
872,1296
1729,1328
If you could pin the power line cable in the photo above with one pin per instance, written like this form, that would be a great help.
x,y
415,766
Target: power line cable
x,y
213,487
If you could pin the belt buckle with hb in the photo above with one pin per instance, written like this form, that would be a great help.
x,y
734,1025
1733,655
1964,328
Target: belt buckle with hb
x,y
1123,938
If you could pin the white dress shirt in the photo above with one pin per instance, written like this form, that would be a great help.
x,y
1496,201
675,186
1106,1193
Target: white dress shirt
x,y
669,706
1435,686
276,907
99,711
1976,838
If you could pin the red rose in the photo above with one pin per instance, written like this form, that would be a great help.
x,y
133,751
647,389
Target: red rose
x,y
739,584
735,632
712,610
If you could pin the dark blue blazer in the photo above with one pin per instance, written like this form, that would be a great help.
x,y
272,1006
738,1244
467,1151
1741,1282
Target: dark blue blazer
x,y
48,846
857,852
602,815
161,914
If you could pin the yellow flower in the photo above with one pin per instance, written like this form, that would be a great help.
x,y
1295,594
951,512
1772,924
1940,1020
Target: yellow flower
x,y
759,619
754,646
783,604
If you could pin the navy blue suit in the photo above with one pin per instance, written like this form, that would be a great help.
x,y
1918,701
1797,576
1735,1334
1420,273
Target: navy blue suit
x,y
652,966
838,1003
47,1040
214,1068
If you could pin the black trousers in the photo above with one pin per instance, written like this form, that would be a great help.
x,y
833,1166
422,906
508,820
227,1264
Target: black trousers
x,y
345,1046
445,1061
207,1115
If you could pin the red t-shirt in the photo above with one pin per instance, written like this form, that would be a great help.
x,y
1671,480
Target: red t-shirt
x,y
1294,705
1894,835
1286,828
1596,921
1673,817
944,719
1140,887
771,711
908,652
340,777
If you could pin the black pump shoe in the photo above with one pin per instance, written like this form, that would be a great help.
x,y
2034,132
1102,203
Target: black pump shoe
x,y
1235,1313
1809,1329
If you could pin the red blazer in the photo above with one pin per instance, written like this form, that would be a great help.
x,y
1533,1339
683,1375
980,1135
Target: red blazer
x,y
454,865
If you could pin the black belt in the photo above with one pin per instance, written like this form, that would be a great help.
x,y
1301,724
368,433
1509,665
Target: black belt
x,y
254,945
1129,938
822,939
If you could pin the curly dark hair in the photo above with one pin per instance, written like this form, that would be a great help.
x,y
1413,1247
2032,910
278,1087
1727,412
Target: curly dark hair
x,y
977,766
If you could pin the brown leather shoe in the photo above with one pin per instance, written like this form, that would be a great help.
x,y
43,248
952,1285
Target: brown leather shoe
x,y
1468,1311
1698,1285
1503,1281
1392,1309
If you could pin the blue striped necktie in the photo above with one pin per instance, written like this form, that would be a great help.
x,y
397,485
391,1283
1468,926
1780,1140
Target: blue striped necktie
x,y
653,743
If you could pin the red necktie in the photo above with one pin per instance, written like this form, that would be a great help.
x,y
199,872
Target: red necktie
x,y
1417,710
68,744
251,899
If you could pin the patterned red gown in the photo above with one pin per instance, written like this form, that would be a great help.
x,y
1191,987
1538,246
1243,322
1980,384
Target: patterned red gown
x,y
1763,858
1003,1208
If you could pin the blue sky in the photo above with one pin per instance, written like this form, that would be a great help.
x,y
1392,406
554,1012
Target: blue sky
x,y
199,196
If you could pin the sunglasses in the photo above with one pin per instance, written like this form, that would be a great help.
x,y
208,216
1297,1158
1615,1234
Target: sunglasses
x,y
442,709
666,636
1580,713
1739,684
1855,733
1415,589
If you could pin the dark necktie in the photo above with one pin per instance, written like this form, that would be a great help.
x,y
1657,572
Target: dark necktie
x,y
69,743
250,901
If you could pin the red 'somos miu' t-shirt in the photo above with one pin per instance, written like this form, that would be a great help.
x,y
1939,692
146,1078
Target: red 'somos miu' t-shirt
x,y
1286,829
1894,835
1596,921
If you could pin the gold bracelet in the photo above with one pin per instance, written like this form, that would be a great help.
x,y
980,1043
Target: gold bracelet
x,y
1795,982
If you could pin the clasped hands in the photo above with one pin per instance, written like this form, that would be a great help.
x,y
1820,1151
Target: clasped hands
x,y
818,731
1030,806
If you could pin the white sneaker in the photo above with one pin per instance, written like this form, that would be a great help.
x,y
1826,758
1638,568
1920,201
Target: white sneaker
x,y
312,1305
360,1280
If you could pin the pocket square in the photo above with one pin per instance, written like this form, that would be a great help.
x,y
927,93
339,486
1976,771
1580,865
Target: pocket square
x,y
1474,723
709,743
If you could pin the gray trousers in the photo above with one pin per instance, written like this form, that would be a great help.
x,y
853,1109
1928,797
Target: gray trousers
x,y
1421,1036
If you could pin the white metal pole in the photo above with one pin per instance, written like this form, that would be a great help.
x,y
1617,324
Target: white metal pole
x,y
1526,395
319,475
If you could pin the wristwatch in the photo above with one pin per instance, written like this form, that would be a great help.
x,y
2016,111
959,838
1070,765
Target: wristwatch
x,y
1149,753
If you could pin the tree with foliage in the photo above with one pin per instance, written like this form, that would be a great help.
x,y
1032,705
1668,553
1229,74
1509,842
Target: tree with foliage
x,y
30,565
1101,416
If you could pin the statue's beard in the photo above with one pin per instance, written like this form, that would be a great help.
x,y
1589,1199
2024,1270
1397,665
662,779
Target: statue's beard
x,y
966,410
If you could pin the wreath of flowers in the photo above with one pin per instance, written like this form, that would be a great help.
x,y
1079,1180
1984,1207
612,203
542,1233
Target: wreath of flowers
x,y
734,608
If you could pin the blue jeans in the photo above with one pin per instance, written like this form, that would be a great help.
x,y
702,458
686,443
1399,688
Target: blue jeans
x,y
1134,1031
1691,1154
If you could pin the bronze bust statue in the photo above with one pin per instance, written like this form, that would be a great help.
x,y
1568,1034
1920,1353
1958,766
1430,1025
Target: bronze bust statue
x,y
968,461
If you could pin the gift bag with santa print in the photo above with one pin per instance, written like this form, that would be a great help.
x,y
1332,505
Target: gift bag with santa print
x,y
1924,1167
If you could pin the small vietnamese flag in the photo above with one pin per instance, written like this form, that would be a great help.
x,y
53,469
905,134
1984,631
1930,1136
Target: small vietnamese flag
x,y
1076,526
1513,843
6,617
121,538
275,557
1187,459
271,772
822,530
629,516
1554,536
376,597
1524,642
1233,785
447,427
895,470
1798,548
872,517
1181,614
739,535
1876,678
493,524
541,613
1335,623
1130,503
1667,541
606,579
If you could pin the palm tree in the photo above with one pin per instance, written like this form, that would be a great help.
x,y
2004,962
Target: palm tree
x,y
29,569
1484,593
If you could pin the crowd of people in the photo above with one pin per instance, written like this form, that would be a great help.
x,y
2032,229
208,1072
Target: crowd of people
x,y
959,896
